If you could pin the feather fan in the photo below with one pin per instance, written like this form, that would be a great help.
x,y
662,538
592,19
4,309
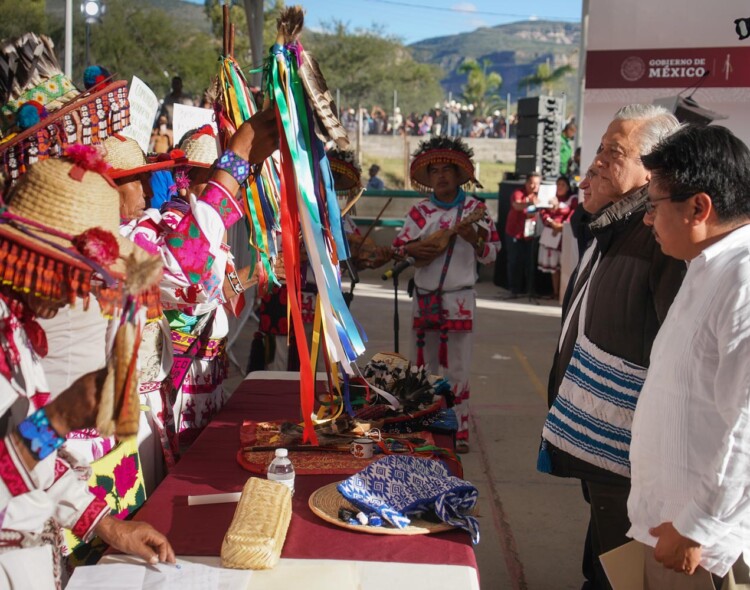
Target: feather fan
x,y
290,24
321,100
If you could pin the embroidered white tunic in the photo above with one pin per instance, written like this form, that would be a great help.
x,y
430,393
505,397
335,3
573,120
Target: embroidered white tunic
x,y
690,452
35,503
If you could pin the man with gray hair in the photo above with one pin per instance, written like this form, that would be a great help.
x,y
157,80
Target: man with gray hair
x,y
622,292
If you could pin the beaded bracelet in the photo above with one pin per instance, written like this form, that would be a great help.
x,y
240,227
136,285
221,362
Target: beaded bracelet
x,y
39,436
235,283
237,166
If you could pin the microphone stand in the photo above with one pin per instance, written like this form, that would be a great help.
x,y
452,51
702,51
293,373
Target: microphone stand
x,y
395,312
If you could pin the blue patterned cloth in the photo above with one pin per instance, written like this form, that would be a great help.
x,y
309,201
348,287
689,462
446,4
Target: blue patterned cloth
x,y
400,487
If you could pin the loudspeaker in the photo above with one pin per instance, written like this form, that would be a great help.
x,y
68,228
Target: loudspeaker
x,y
540,106
538,136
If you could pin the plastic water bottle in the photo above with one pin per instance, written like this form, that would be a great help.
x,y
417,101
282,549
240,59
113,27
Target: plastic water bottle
x,y
281,469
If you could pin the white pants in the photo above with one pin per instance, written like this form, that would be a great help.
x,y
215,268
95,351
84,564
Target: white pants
x,y
457,372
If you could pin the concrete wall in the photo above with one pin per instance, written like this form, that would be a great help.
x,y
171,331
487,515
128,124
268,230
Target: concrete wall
x,y
485,149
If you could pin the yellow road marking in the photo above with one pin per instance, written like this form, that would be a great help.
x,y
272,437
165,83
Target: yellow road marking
x,y
526,366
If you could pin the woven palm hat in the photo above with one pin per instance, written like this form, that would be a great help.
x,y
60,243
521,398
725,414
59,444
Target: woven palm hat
x,y
346,171
199,146
61,227
442,150
126,158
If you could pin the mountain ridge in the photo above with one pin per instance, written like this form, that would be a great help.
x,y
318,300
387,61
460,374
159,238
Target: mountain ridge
x,y
513,50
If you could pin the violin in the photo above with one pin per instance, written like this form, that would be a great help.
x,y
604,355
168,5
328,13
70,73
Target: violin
x,y
366,253
442,237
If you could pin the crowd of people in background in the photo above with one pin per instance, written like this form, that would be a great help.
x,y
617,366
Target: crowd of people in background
x,y
451,119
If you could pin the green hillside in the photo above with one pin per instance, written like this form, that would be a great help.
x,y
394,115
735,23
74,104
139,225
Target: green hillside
x,y
513,50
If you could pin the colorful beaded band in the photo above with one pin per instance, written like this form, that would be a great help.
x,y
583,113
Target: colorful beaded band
x,y
237,166
235,283
39,436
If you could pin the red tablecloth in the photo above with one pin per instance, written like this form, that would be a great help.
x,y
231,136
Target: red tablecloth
x,y
210,467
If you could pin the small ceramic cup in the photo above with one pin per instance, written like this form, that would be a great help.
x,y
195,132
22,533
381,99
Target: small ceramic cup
x,y
362,448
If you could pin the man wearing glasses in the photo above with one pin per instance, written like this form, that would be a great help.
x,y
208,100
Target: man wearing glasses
x,y
690,455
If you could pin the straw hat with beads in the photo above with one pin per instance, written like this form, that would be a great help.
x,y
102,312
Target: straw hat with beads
x,y
442,150
59,233
126,158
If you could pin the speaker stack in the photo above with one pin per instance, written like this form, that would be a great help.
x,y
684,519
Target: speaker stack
x,y
540,121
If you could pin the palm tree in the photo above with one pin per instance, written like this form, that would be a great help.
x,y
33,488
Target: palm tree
x,y
481,86
545,77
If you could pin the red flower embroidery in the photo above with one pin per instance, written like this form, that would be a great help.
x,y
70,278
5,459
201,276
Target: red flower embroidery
x,y
99,492
126,474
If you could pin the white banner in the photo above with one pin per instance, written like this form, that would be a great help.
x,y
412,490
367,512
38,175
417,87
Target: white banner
x,y
143,108
186,118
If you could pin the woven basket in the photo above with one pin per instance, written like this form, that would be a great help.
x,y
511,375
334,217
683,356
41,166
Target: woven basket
x,y
256,536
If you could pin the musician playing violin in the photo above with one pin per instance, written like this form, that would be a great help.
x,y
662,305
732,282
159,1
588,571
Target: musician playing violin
x,y
446,233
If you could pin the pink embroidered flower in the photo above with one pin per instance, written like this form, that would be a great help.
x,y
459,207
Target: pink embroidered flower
x,y
126,474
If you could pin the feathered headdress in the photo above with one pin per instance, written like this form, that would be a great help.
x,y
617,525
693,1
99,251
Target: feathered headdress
x,y
442,149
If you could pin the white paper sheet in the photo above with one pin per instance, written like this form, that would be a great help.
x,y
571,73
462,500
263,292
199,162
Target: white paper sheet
x,y
115,576
143,108
186,118
185,576
139,576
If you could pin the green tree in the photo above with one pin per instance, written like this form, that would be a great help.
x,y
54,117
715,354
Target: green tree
x,y
241,13
238,18
22,17
366,67
546,77
135,39
481,88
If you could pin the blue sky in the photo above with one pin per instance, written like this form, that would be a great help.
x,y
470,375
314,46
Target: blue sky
x,y
414,20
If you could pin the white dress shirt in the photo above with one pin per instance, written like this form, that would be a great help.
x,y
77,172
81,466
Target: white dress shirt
x,y
690,452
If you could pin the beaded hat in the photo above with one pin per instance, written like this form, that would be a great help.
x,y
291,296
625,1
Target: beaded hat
x,y
60,229
442,150
43,113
